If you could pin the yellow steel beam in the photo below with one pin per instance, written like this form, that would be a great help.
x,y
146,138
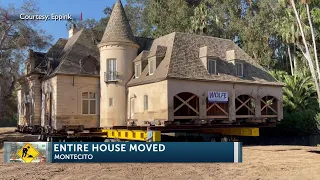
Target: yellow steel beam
x,y
235,131
132,135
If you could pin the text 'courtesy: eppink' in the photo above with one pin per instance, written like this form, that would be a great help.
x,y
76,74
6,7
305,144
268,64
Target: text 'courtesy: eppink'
x,y
44,17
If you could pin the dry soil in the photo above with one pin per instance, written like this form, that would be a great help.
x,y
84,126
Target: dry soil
x,y
259,163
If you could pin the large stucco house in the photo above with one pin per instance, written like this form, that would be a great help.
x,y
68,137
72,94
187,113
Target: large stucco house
x,y
118,79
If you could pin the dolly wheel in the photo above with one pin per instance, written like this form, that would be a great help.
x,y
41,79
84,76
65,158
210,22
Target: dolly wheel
x,y
49,139
224,139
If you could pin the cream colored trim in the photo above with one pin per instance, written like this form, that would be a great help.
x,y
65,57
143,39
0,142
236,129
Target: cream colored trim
x,y
119,43
154,65
215,65
88,99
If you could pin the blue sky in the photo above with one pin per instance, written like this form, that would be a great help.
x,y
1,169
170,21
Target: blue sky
x,y
89,8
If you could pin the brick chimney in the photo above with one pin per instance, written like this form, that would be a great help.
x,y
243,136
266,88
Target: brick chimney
x,y
73,30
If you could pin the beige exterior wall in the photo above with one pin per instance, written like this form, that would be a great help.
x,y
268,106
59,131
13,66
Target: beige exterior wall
x,y
36,93
33,88
67,100
234,90
157,102
20,114
115,115
49,86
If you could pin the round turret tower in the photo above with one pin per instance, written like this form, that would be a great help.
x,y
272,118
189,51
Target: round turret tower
x,y
118,48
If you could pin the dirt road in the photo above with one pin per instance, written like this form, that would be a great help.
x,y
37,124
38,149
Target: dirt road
x,y
259,163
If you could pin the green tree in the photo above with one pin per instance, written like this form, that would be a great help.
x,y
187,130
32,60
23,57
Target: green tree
x,y
164,17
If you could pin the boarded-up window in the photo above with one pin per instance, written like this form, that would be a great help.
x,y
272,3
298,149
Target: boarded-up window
x,y
212,66
89,103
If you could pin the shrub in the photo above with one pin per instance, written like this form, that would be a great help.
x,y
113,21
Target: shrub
x,y
300,123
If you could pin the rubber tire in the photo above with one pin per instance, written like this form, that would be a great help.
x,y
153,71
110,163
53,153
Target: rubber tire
x,y
224,139
40,137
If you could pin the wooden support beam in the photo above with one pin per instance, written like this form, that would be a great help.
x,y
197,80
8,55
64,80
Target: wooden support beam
x,y
244,104
186,103
267,105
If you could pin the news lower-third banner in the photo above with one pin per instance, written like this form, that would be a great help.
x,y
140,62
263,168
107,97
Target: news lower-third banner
x,y
118,152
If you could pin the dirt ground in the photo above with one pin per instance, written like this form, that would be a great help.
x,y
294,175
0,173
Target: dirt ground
x,y
6,129
259,163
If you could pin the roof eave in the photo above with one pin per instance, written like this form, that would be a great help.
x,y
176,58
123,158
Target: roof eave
x,y
231,82
132,44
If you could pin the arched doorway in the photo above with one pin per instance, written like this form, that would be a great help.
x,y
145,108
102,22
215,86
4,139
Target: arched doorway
x,y
186,106
269,107
245,107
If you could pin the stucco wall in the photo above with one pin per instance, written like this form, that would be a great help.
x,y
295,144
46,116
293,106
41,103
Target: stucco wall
x,y
157,102
115,115
69,101
201,89
36,93
49,86
32,86
20,115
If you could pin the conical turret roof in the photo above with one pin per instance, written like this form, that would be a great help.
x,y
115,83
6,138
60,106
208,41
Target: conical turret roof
x,y
118,28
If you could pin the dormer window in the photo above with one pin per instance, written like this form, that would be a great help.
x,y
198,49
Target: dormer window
x,y
239,69
152,66
137,70
212,66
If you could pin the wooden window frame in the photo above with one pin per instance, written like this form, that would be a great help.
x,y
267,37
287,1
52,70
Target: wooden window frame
x,y
89,100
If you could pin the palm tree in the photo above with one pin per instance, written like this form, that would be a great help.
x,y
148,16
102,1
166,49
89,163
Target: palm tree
x,y
299,93
306,51
287,29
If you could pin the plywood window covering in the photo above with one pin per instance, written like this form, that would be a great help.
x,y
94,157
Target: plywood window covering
x,y
186,105
239,69
212,66
89,103
217,109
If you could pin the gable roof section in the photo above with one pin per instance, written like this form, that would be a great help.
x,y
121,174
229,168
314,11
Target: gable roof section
x,y
56,49
162,69
80,45
182,61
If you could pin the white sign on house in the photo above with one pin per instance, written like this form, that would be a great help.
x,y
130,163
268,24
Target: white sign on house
x,y
214,96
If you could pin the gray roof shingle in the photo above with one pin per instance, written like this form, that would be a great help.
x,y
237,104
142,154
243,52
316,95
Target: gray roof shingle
x,y
182,61
79,46
118,28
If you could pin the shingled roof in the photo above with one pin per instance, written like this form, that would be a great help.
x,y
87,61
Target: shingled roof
x,y
118,28
182,61
56,49
79,46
